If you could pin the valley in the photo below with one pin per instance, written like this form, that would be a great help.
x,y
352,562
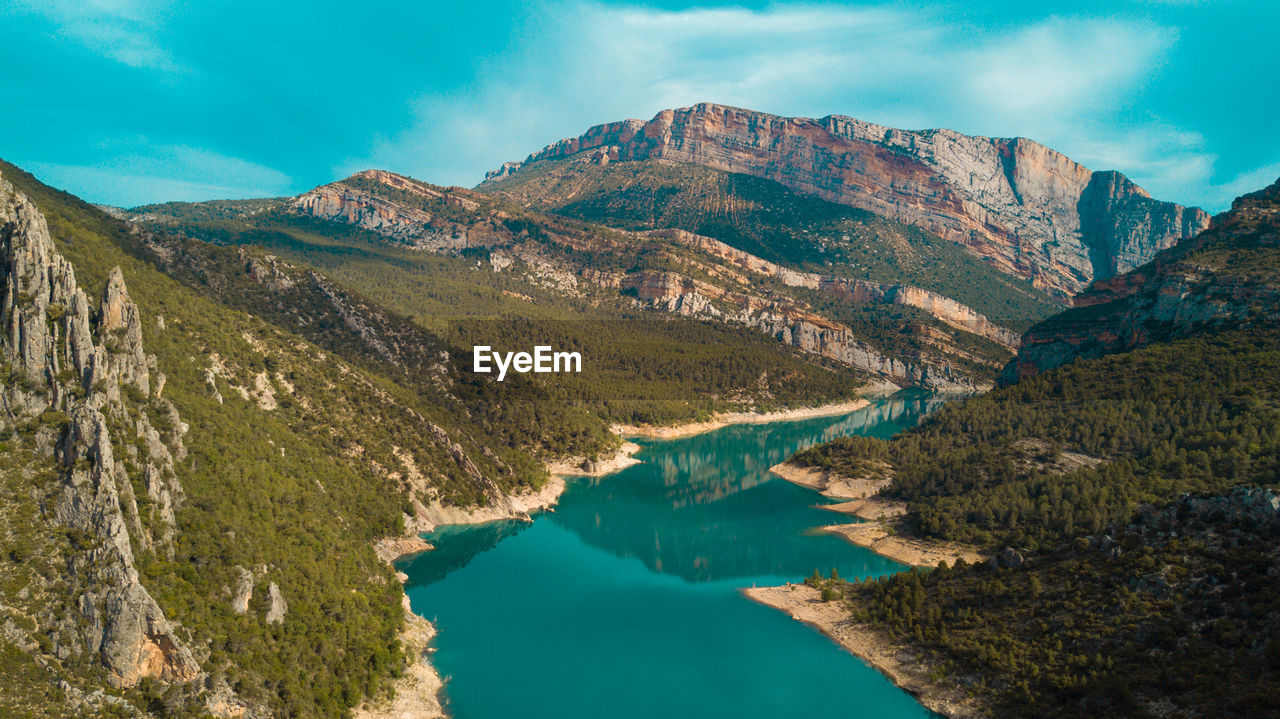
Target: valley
x,y
250,445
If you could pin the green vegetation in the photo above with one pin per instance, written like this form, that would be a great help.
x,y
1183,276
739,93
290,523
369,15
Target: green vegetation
x,y
639,367
1152,572
303,399
768,220
1179,611
1068,452
302,489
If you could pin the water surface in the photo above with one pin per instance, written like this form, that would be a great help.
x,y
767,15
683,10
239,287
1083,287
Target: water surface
x,y
624,602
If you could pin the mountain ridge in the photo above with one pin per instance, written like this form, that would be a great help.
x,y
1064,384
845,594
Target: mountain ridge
x,y
1032,211
660,271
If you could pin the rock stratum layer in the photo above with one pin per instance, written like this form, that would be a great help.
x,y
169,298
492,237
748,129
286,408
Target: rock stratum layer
x,y
1221,276
1031,211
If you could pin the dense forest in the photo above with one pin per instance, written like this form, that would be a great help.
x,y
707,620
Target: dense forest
x,y
1176,613
1068,452
1130,497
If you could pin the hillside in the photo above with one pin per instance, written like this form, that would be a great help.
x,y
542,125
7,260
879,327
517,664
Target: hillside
x,y
215,480
768,220
1031,212
452,259
1124,488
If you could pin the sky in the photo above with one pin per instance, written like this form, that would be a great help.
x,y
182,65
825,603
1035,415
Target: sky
x,y
129,102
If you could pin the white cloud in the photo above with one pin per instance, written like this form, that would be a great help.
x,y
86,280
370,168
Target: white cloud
x,y
1222,194
1061,81
121,30
152,171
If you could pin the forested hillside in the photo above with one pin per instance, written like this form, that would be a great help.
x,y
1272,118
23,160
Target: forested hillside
x,y
1133,494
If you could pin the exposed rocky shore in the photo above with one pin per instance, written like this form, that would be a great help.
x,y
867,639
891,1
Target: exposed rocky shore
x,y
881,531
725,419
903,667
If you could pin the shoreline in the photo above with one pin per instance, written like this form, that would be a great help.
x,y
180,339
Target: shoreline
x,y
881,531
896,662
883,538
725,419
418,690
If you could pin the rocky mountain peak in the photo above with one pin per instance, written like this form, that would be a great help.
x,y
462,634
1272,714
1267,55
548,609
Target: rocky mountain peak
x,y
1225,274
1029,210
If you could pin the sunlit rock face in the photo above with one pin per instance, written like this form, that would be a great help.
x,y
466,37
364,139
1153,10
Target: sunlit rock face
x,y
1226,275
1031,211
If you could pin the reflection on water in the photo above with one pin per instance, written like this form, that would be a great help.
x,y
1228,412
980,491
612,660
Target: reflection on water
x,y
704,508
455,546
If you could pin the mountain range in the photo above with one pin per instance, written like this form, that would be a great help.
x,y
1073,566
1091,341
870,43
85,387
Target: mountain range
x,y
1028,210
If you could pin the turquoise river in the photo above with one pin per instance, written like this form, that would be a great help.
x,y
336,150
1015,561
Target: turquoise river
x,y
624,601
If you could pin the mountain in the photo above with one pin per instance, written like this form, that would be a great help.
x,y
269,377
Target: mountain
x,y
770,221
387,236
1124,484
1030,211
1221,277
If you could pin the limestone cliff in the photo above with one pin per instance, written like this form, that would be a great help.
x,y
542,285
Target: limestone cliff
x,y
945,309
86,373
1224,274
1031,211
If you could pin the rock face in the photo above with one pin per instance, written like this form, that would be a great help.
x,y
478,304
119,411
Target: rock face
x,y
1033,212
77,363
947,310
408,221
790,324
1227,273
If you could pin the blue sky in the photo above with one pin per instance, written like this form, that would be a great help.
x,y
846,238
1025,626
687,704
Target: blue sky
x,y
129,102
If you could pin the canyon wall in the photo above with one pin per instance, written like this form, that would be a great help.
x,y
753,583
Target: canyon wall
x,y
1221,276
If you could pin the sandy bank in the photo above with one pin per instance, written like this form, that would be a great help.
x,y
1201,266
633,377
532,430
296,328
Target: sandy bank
x,y
899,664
830,484
883,532
884,539
522,505
584,467
724,419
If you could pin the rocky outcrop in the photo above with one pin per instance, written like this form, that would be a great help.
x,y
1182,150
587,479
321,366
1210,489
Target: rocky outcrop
x,y
80,369
1031,211
423,221
1223,275
277,607
790,324
945,309
542,247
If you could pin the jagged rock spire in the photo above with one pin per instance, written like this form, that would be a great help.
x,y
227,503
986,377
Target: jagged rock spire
x,y
48,343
